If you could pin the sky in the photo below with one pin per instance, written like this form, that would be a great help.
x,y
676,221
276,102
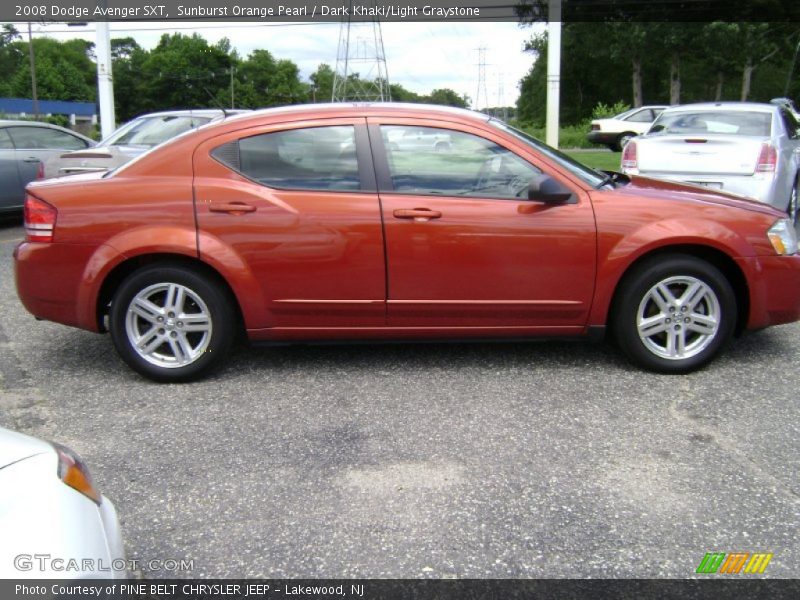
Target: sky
x,y
420,56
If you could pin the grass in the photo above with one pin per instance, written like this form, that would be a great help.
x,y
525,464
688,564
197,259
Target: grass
x,y
597,159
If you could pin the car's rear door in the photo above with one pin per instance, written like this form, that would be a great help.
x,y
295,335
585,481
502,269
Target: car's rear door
x,y
465,247
297,203
10,184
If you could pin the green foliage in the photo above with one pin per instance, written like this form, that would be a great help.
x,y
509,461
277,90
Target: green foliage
x,y
569,136
603,111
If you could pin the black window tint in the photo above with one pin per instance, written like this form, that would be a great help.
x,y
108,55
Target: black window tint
x,y
5,140
426,160
43,138
318,158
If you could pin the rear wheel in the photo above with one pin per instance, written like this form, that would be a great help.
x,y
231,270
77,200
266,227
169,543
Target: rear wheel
x,y
674,314
170,323
623,140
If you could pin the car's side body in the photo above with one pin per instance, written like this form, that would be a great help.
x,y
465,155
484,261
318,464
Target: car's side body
x,y
615,132
24,147
378,258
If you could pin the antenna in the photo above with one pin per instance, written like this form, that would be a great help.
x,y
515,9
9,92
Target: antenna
x,y
361,73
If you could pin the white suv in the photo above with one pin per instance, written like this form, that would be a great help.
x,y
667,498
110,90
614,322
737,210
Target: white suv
x,y
617,131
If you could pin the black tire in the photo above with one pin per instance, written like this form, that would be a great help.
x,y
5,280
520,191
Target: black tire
x,y
623,140
182,350
704,328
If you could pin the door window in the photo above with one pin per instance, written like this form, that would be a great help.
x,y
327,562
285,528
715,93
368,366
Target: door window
x,y
428,160
317,158
42,138
5,141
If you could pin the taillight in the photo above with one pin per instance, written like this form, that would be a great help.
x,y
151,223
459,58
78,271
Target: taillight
x,y
629,160
767,159
40,219
595,127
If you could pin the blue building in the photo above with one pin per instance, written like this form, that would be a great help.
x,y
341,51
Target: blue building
x,y
80,114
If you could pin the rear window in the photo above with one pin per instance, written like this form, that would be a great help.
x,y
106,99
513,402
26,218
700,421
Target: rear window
x,y
705,122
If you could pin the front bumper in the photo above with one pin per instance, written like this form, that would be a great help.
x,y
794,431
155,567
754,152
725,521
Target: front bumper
x,y
774,289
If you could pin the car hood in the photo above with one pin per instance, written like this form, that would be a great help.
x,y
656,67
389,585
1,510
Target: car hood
x,y
15,447
658,189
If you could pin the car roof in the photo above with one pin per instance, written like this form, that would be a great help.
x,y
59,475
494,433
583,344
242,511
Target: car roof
x,y
195,112
725,106
17,123
365,109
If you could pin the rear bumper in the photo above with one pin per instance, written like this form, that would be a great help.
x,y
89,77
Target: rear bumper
x,y
774,289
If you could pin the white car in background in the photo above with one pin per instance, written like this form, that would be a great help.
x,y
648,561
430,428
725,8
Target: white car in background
x,y
617,131
54,524
745,148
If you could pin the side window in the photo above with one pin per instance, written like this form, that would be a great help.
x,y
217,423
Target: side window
x,y
318,158
643,116
42,138
5,141
427,160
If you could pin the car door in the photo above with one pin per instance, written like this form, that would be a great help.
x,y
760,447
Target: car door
x,y
298,204
10,185
465,247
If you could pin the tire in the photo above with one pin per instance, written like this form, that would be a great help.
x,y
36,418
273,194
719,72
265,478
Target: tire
x,y
623,140
185,343
645,318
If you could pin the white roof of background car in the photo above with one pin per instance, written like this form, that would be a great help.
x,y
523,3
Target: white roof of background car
x,y
729,106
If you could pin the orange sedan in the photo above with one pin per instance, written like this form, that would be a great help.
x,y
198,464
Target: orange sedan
x,y
312,223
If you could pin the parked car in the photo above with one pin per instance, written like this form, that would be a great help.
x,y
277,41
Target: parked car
x,y
132,139
749,149
617,131
55,523
24,147
228,230
419,138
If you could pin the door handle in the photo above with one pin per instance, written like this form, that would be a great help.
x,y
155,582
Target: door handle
x,y
418,214
231,207
31,159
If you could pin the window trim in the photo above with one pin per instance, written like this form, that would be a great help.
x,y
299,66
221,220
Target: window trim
x,y
366,171
384,175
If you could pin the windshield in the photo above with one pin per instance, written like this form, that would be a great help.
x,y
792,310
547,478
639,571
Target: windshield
x,y
590,176
151,131
711,121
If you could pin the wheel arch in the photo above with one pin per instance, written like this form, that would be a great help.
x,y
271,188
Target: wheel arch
x,y
120,272
719,259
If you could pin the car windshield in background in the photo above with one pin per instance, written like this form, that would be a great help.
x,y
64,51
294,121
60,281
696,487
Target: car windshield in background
x,y
705,122
587,174
151,131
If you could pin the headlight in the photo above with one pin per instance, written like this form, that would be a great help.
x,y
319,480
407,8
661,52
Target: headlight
x,y
783,238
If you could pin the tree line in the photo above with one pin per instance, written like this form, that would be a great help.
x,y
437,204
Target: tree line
x,y
181,71
662,63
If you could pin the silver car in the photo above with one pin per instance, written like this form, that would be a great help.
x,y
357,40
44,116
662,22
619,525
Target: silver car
x,y
132,139
54,522
24,147
748,149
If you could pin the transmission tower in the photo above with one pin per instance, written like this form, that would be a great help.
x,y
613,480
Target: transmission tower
x,y
482,93
361,74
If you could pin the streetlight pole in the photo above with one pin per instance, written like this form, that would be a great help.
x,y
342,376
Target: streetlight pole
x,y
34,97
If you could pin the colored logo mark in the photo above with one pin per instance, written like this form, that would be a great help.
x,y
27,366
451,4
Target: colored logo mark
x,y
734,562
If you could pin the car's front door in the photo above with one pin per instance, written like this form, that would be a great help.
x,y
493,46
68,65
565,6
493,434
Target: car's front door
x,y
465,246
298,204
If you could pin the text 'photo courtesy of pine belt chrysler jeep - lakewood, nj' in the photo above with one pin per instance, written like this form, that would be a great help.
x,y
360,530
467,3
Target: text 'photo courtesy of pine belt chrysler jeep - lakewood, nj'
x,y
359,222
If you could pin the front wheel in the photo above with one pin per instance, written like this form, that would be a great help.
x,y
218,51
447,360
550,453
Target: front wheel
x,y
674,314
171,324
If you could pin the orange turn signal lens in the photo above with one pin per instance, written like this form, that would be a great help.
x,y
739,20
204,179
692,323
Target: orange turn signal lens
x,y
73,472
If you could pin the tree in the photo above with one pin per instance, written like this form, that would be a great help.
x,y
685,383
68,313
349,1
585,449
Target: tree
x,y
447,97
322,84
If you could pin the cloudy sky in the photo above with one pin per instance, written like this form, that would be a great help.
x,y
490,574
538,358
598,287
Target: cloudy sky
x,y
421,56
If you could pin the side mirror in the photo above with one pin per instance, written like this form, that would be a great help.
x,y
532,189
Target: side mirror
x,y
546,189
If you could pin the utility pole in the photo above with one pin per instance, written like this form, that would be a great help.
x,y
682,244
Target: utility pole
x,y
353,86
105,83
34,97
481,79
553,71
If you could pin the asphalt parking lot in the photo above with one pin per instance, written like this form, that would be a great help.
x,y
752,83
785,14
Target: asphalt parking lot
x,y
482,461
